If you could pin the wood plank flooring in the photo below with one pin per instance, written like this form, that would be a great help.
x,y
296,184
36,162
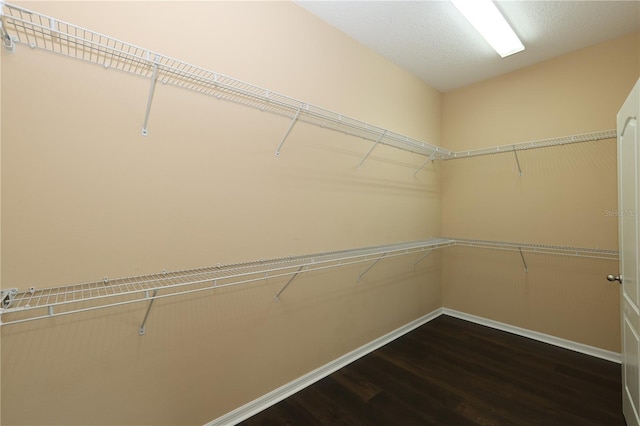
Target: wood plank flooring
x,y
452,372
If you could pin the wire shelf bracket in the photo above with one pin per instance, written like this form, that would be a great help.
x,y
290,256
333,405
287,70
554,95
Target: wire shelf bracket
x,y
277,297
152,89
515,152
422,258
146,315
371,266
372,148
526,268
294,120
430,158
7,41
7,296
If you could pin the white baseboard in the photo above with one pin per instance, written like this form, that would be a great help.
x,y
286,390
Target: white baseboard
x,y
546,338
277,395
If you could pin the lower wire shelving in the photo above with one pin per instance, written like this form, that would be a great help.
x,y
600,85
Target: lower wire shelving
x,y
35,304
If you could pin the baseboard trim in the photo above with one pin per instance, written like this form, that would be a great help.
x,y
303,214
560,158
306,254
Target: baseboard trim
x,y
277,395
546,338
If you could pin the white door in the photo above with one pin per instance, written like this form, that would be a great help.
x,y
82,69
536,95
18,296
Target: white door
x,y
628,229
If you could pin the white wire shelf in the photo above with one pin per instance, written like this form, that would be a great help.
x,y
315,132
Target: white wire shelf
x,y
33,29
541,143
34,304
36,30
539,248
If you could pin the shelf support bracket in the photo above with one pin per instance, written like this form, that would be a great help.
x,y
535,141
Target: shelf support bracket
x,y
422,258
286,135
8,42
517,160
277,298
371,266
6,297
433,154
146,315
526,268
372,148
152,89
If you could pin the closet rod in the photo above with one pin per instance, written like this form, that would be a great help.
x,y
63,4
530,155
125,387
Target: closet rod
x,y
542,143
36,30
36,304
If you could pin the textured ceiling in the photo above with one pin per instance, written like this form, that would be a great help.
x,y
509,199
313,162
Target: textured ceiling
x,y
433,41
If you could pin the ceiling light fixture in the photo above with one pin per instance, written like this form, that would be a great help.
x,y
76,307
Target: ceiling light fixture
x,y
489,22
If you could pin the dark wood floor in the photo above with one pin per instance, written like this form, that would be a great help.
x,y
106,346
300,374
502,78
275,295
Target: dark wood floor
x,y
453,372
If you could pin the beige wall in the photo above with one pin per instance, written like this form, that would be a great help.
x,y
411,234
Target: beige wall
x,y
84,196
572,94
561,199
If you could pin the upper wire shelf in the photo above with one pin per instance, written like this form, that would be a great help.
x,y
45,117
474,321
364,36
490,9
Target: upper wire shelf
x,y
19,25
27,27
541,143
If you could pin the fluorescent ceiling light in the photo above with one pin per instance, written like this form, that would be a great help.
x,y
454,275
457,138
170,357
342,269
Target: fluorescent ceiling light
x,y
487,19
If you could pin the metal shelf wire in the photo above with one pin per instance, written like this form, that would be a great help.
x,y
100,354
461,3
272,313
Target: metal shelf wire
x,y
36,30
30,28
539,248
34,304
541,143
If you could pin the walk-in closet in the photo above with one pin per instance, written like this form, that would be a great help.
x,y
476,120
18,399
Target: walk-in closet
x,y
207,207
